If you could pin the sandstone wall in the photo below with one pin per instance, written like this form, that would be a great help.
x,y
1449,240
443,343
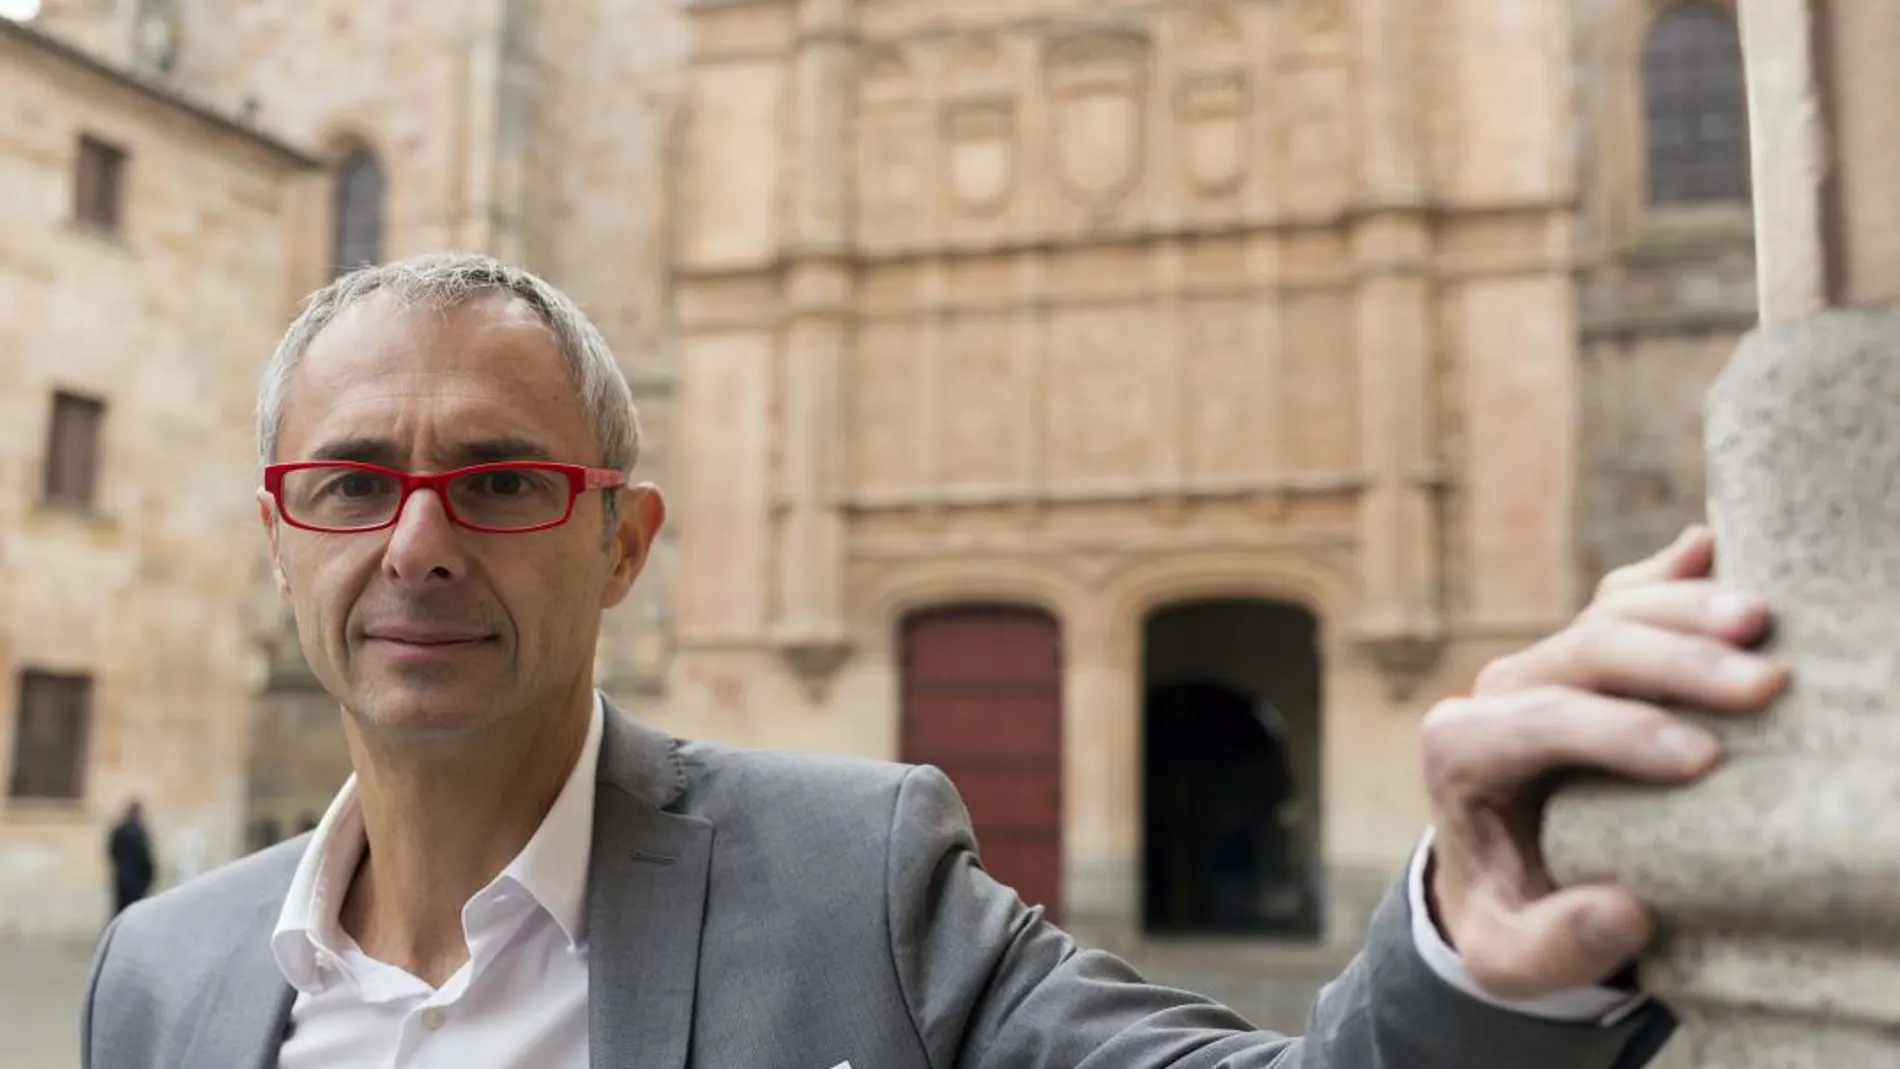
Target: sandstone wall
x,y
165,323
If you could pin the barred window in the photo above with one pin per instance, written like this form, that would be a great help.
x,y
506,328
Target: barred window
x,y
360,191
1695,107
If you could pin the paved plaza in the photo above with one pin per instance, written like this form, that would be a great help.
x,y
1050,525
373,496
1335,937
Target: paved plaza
x,y
40,990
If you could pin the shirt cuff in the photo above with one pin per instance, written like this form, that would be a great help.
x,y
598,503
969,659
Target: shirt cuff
x,y
1604,1005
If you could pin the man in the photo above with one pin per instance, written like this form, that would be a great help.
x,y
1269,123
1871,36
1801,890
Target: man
x,y
519,875
129,848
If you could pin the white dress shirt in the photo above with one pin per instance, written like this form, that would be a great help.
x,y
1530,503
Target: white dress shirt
x,y
1604,1005
519,1000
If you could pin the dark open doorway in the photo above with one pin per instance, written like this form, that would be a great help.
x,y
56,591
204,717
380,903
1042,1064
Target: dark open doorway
x,y
1231,770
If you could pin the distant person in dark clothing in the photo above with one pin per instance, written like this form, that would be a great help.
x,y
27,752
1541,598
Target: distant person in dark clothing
x,y
130,848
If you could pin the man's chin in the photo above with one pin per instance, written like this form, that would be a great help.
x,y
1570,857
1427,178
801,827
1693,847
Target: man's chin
x,y
401,712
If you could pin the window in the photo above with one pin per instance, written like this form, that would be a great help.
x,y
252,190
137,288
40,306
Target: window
x,y
1695,107
72,449
359,211
98,183
49,737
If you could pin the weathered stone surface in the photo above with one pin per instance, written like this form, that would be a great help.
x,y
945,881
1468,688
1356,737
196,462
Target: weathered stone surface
x,y
166,322
1773,880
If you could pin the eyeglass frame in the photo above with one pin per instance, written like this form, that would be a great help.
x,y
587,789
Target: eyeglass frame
x,y
580,480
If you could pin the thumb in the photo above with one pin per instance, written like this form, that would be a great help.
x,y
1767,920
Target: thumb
x,y
1567,939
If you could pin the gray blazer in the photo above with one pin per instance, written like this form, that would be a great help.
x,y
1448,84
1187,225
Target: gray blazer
x,y
754,910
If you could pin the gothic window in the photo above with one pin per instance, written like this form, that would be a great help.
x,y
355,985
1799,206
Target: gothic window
x,y
360,192
1695,109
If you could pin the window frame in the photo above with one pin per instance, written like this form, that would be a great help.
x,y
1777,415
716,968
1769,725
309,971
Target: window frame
x,y
79,697
99,184
1720,192
358,165
59,464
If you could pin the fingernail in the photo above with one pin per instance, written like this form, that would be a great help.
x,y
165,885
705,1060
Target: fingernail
x,y
1731,609
1686,744
1744,672
1604,936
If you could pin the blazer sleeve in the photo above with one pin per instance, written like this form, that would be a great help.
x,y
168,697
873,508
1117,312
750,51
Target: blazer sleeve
x,y
990,983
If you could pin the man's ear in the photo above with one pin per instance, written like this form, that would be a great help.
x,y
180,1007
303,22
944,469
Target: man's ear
x,y
642,512
267,512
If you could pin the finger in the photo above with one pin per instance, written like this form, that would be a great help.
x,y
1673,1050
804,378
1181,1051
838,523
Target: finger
x,y
1483,748
1611,655
1690,556
1567,939
1689,606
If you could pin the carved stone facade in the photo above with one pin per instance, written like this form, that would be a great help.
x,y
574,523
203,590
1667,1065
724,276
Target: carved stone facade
x,y
1097,308
1107,310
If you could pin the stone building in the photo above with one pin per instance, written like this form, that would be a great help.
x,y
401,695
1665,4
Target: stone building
x,y
144,263
1143,410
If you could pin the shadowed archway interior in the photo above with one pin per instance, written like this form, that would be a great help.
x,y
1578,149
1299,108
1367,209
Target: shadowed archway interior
x,y
1230,770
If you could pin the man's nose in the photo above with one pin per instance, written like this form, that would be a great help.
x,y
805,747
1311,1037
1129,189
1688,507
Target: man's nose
x,y
424,542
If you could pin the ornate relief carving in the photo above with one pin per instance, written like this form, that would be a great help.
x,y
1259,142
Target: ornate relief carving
x,y
979,127
890,145
980,134
1211,100
1213,119
1097,84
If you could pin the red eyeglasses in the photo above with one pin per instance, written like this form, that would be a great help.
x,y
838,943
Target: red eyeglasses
x,y
511,497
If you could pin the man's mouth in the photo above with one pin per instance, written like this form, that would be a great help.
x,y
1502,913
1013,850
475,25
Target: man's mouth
x,y
427,638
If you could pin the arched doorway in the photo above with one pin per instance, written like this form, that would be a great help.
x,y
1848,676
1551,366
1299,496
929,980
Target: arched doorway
x,y
982,700
1230,769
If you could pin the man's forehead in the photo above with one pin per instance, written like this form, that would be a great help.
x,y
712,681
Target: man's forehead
x,y
467,377
383,325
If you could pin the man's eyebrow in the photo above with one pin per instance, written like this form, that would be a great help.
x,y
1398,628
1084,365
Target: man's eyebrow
x,y
505,447
476,451
360,450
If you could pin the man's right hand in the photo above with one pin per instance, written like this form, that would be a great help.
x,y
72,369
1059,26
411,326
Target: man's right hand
x,y
1658,630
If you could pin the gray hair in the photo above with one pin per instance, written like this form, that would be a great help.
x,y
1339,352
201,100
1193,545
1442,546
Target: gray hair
x,y
442,280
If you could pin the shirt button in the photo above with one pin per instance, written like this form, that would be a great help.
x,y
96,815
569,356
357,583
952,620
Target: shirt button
x,y
433,1017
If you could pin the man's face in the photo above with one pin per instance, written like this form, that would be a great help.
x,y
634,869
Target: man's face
x,y
426,627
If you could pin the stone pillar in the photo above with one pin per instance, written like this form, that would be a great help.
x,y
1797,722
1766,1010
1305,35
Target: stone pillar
x,y
810,631
1399,623
1776,881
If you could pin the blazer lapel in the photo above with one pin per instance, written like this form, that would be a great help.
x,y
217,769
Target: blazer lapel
x,y
646,902
243,1014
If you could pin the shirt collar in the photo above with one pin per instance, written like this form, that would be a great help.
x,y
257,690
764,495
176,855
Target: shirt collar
x,y
551,868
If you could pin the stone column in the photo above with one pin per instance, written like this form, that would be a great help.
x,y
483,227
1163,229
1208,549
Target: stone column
x,y
1776,881
810,630
1400,623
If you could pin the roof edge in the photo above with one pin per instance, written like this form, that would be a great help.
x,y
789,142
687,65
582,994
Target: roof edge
x,y
157,92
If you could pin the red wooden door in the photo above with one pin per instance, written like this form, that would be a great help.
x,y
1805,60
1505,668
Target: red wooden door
x,y
982,700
